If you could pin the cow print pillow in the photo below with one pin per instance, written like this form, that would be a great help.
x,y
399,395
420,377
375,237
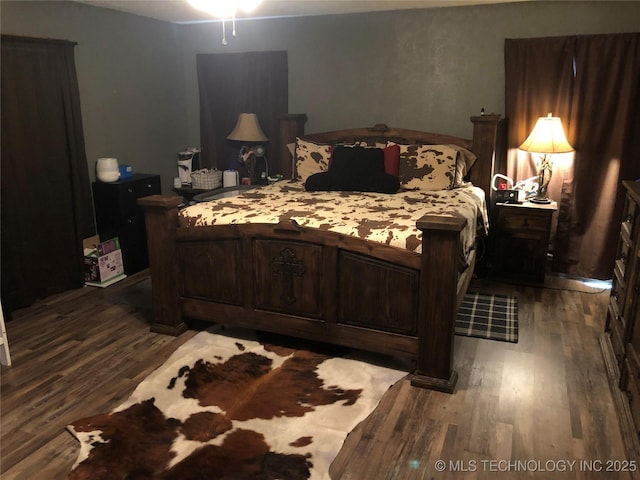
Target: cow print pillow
x,y
311,158
427,167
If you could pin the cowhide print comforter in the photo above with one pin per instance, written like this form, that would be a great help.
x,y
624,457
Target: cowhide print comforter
x,y
379,217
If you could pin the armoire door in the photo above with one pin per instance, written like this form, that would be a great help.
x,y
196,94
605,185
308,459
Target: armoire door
x,y
42,223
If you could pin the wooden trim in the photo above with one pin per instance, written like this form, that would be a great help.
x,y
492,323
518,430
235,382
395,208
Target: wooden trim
x,y
303,234
383,132
301,327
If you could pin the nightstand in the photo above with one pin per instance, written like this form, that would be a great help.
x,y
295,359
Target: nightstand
x,y
521,236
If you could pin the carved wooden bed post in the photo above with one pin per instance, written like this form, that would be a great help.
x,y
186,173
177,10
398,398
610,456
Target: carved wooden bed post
x,y
161,220
441,286
438,302
485,129
291,125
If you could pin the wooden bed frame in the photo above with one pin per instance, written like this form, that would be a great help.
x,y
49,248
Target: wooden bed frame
x,y
321,285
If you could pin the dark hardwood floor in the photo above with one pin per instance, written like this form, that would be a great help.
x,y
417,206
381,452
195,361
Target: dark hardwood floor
x,y
541,403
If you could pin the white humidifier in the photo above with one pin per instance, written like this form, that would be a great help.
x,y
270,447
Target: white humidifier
x,y
107,169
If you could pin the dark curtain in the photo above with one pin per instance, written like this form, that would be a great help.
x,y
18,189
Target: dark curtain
x,y
591,83
46,198
233,83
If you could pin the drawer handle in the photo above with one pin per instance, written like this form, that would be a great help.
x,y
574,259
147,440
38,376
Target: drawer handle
x,y
130,190
148,185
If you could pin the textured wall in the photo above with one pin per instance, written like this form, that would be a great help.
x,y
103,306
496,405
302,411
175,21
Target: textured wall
x,y
423,69
130,76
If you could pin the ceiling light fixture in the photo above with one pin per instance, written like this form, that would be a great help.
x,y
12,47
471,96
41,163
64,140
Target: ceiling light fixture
x,y
225,10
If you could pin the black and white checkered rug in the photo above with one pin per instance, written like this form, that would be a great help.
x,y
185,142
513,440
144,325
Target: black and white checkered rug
x,y
494,317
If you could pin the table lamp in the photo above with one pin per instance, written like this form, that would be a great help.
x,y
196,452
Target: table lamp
x,y
248,131
546,138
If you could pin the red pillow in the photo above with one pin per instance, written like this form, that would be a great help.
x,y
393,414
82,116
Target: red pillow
x,y
391,159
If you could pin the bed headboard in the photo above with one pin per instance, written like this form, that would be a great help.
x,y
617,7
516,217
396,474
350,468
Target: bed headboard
x,y
483,143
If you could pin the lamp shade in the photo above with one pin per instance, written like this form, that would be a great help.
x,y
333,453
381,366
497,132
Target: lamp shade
x,y
247,129
547,137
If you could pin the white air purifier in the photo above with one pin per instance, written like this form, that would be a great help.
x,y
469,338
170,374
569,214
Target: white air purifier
x,y
107,170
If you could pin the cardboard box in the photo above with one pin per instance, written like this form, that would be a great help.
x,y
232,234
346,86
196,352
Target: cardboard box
x,y
103,265
91,242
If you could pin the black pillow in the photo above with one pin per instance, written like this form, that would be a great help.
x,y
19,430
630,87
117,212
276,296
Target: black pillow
x,y
355,169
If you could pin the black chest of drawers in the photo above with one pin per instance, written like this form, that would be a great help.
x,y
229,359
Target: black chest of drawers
x,y
117,214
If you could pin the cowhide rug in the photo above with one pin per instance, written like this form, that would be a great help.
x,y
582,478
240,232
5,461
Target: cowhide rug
x,y
230,407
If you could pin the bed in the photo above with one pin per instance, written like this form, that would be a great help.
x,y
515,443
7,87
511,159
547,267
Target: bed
x,y
285,260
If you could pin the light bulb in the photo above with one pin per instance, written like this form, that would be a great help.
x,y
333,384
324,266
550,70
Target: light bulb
x,y
224,8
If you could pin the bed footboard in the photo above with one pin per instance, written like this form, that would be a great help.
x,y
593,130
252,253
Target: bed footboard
x,y
312,284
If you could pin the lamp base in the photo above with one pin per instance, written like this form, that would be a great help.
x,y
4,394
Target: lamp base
x,y
540,200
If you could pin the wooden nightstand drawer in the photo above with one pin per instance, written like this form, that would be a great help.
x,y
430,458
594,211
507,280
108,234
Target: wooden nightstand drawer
x,y
517,222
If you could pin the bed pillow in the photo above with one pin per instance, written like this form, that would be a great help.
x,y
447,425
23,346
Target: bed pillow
x,y
465,161
391,159
311,158
354,169
391,155
427,167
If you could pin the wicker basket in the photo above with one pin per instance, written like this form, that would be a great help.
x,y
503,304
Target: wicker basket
x,y
206,179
